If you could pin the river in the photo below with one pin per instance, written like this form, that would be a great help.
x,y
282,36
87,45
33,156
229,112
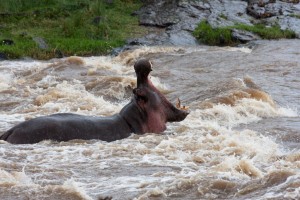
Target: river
x,y
241,139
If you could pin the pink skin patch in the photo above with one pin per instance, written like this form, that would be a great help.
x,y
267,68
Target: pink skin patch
x,y
156,123
155,106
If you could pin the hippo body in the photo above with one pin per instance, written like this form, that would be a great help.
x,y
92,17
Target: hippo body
x,y
68,126
147,112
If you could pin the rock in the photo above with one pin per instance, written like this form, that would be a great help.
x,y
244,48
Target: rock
x,y
118,50
180,18
3,56
23,34
244,36
58,53
291,1
160,13
41,43
153,39
134,42
289,20
177,19
228,13
290,23
182,38
269,8
7,42
109,1
96,20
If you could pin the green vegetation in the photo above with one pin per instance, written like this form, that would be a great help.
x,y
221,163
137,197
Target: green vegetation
x,y
72,27
223,16
273,32
295,15
222,36
213,36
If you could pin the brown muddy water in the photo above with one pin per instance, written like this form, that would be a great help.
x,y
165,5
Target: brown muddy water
x,y
240,141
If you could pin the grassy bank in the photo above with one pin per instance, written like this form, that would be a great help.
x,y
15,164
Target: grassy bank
x,y
222,36
68,27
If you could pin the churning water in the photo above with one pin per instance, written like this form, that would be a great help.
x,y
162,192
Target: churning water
x,y
240,141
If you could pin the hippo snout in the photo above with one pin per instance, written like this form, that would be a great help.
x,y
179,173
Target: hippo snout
x,y
177,115
182,115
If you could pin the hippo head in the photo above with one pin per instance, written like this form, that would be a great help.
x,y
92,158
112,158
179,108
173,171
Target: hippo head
x,y
142,68
156,108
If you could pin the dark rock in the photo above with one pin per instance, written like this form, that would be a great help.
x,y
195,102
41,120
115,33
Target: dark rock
x,y
244,36
291,1
118,50
109,1
3,56
58,53
133,42
96,20
105,198
7,42
23,34
268,8
41,43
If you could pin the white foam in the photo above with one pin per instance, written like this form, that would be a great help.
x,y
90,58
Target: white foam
x,y
72,185
16,178
23,65
6,80
7,120
47,80
241,49
288,112
105,62
72,97
281,192
244,112
158,84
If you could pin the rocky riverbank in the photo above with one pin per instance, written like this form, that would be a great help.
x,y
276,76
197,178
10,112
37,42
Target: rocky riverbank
x,y
172,22
101,27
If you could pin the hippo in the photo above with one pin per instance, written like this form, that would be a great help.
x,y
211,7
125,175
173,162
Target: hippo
x,y
147,112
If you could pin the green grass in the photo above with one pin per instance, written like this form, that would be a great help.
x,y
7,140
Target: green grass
x,y
295,15
213,36
272,32
73,27
222,36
